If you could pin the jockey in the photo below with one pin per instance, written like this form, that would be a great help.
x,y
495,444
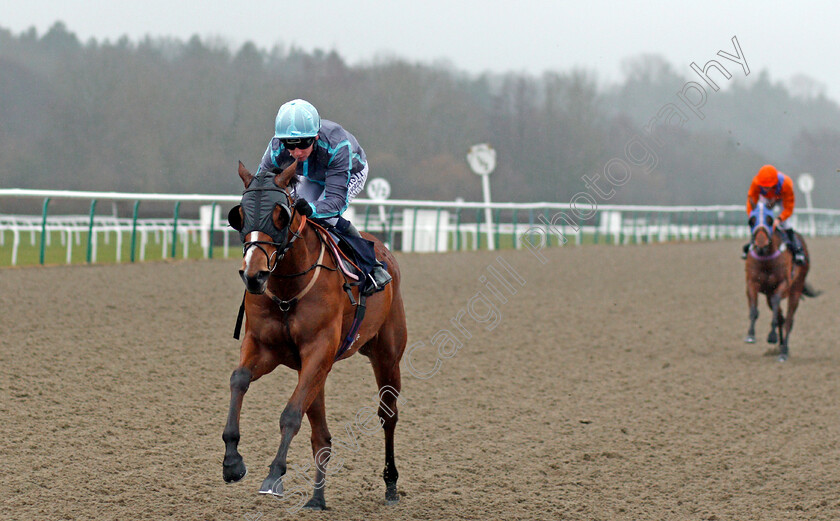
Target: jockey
x,y
332,169
771,186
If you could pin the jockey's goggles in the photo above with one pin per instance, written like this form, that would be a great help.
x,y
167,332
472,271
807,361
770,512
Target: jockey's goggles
x,y
293,143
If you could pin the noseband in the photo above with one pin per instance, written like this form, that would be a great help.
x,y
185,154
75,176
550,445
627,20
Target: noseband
x,y
754,251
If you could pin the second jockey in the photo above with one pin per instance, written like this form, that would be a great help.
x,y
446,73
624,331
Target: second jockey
x,y
772,188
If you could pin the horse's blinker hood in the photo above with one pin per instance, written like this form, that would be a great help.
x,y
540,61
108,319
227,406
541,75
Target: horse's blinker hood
x,y
258,201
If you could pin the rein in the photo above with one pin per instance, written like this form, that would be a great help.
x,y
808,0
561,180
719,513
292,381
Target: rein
x,y
285,305
285,248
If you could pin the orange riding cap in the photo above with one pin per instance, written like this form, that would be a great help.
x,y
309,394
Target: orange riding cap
x,y
774,186
767,176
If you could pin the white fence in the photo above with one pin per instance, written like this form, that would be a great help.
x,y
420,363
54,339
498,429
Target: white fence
x,y
412,226
70,229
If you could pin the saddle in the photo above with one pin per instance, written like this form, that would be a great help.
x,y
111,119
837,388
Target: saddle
x,y
355,254
343,255
348,269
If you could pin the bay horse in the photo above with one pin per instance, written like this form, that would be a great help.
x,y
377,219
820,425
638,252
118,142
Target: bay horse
x,y
770,270
297,314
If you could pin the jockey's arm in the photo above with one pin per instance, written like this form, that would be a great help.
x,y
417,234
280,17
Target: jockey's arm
x,y
335,195
336,179
752,197
788,199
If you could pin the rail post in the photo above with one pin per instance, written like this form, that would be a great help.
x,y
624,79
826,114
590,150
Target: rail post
x,y
175,228
90,231
134,229
44,229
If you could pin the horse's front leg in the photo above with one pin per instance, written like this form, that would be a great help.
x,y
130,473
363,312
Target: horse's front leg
x,y
775,303
752,302
254,362
316,362
321,450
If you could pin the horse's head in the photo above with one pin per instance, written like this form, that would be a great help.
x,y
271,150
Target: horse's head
x,y
761,228
263,219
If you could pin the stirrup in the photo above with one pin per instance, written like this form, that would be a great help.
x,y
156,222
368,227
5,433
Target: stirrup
x,y
375,286
799,258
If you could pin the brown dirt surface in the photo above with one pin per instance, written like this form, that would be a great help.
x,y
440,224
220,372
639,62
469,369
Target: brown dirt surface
x,y
615,384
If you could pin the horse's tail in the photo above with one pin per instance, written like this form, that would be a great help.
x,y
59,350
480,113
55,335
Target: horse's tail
x,y
808,291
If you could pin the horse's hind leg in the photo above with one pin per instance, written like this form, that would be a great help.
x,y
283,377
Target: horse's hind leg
x,y
254,362
385,360
793,303
388,380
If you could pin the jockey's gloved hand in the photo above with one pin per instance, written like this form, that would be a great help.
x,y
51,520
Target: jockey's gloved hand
x,y
303,207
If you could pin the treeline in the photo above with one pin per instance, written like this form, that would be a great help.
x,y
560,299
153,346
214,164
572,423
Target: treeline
x,y
163,115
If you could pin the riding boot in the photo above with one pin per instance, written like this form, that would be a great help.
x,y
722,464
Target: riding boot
x,y
378,277
746,250
795,247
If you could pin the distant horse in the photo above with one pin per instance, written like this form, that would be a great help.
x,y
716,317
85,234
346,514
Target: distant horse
x,y
770,270
299,312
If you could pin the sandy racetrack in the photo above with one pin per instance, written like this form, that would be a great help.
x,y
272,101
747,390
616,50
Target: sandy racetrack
x,y
615,385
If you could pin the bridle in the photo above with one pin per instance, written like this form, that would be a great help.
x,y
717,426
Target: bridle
x,y
255,213
762,215
280,248
282,240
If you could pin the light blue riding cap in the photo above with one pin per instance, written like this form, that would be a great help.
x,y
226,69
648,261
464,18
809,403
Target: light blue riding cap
x,y
297,119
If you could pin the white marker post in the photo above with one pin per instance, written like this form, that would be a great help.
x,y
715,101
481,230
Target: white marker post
x,y
805,182
379,190
482,160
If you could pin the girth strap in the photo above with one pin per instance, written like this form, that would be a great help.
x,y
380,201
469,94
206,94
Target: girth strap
x,y
354,328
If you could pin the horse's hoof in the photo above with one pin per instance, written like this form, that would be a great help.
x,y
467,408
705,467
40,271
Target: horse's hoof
x,y
234,472
750,339
783,357
315,504
772,338
272,485
391,495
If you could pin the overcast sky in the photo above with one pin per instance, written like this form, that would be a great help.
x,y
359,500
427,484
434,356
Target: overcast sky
x,y
785,38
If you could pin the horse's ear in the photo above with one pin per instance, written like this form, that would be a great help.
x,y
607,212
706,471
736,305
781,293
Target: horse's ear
x,y
281,217
752,221
235,217
245,175
286,176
